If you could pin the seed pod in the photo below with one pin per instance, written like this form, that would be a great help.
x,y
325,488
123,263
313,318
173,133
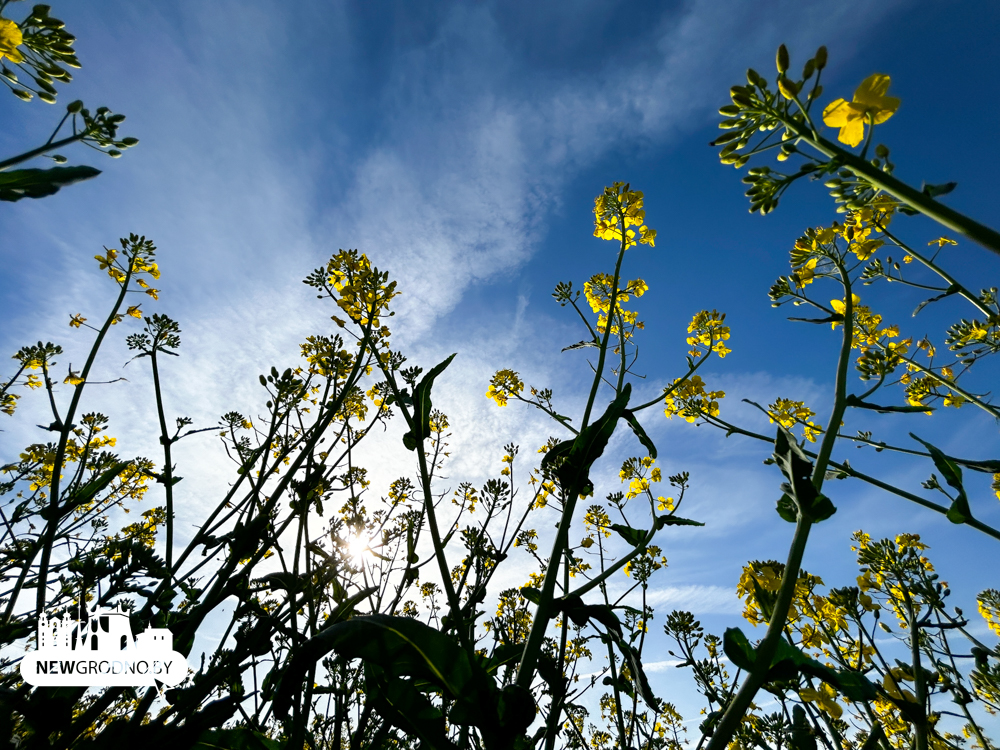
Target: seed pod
x,y
820,58
781,59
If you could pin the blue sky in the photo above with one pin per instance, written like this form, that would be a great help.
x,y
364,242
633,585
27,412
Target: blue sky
x,y
460,145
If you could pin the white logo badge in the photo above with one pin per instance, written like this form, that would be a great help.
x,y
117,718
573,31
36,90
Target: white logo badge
x,y
100,651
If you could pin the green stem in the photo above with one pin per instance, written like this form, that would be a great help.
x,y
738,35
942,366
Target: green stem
x,y
736,710
920,688
67,428
947,217
28,155
598,372
543,613
556,706
168,479
952,282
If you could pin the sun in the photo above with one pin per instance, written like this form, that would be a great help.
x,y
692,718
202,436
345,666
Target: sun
x,y
359,548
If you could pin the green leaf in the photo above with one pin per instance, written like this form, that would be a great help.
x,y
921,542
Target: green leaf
x,y
787,509
87,491
401,646
765,599
635,537
662,521
422,407
797,468
640,433
532,594
959,512
852,685
503,654
953,289
638,673
581,345
857,403
400,703
580,613
738,649
587,447
237,738
38,183
933,191
345,609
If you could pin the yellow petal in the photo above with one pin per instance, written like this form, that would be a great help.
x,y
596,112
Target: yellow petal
x,y
871,90
852,133
836,112
889,106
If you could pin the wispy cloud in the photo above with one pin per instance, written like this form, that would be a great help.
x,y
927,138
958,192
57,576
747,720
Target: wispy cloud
x,y
253,168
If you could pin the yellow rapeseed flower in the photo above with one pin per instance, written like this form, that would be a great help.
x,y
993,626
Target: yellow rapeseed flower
x,y
10,40
869,101
504,384
825,697
840,307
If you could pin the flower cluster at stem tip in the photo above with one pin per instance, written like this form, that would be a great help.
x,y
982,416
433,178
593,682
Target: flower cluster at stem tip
x,y
616,210
503,385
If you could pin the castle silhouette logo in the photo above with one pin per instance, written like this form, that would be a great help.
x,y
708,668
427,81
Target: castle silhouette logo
x,y
99,651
